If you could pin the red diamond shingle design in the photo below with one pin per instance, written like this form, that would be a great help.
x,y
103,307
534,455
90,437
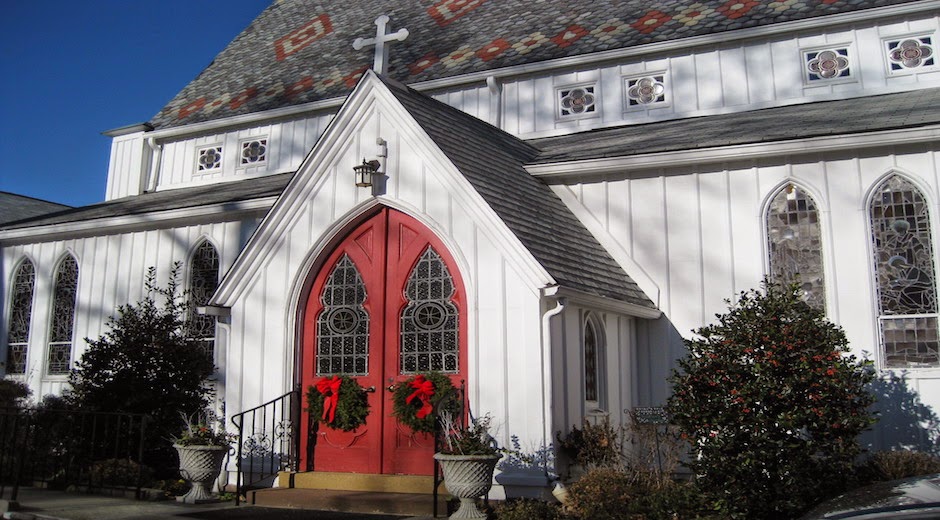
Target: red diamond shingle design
x,y
446,12
243,98
570,35
494,49
650,21
192,108
306,83
737,8
353,78
425,62
302,37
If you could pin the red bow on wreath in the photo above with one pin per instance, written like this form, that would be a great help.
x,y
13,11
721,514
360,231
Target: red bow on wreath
x,y
424,389
330,389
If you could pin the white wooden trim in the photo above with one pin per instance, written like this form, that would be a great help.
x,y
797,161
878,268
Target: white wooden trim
x,y
601,303
719,154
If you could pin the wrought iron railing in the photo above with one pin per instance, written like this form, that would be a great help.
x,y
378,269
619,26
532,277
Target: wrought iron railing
x,y
63,448
268,442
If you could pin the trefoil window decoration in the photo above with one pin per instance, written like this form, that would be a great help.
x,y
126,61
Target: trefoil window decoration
x,y
343,323
646,90
590,362
254,151
430,321
827,64
795,244
203,282
63,317
21,307
577,101
209,158
910,53
904,275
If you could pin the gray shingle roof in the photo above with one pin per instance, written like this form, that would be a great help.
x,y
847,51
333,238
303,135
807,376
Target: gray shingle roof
x,y
221,193
15,207
493,161
298,51
843,117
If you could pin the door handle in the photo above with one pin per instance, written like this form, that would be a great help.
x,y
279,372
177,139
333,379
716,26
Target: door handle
x,y
391,388
371,389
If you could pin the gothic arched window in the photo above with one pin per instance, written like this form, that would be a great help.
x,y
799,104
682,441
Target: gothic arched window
x,y
795,245
21,308
904,275
591,365
63,317
203,282
429,322
343,324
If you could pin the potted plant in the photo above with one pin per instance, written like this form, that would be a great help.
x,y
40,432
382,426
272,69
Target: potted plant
x,y
468,457
202,447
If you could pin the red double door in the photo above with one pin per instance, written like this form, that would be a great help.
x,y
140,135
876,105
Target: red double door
x,y
386,303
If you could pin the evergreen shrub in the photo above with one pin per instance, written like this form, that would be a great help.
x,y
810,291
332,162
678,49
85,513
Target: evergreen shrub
x,y
771,405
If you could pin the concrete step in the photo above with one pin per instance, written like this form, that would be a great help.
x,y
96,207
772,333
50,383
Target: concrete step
x,y
405,504
412,484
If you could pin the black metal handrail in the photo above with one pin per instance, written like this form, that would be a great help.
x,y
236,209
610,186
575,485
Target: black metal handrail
x,y
271,443
50,447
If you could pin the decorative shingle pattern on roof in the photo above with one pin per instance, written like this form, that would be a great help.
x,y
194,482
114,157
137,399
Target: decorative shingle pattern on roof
x,y
844,117
222,193
299,51
492,161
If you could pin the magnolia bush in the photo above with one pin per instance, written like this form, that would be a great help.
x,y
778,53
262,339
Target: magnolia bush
x,y
772,405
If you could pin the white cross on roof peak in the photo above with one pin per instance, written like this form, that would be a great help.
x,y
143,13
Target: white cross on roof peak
x,y
381,37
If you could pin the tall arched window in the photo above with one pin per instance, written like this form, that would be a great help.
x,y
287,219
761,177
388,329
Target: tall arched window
x,y
21,309
430,321
63,318
904,275
203,282
795,245
593,343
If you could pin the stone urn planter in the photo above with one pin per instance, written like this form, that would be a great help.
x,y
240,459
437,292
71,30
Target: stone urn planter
x,y
468,477
200,465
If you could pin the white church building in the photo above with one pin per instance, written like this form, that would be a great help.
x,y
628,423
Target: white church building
x,y
561,192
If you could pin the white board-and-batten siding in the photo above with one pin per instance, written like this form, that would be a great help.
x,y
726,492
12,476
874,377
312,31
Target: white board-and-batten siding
x,y
505,347
699,233
112,269
711,77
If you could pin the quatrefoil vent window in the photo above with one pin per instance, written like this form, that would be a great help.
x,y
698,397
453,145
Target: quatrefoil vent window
x,y
209,159
577,101
343,324
429,322
647,90
910,53
827,64
254,152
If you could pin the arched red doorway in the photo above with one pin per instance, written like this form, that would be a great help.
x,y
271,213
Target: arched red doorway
x,y
385,303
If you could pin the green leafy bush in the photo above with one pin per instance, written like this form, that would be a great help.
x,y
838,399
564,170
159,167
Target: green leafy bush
x,y
893,465
601,494
120,472
528,509
146,364
771,404
13,394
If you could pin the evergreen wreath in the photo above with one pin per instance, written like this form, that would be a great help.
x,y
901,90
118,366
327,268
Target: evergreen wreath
x,y
351,403
420,412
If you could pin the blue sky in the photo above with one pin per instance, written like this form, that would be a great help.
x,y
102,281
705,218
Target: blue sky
x,y
75,68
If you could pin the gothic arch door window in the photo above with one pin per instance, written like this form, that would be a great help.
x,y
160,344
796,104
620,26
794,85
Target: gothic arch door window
x,y
385,304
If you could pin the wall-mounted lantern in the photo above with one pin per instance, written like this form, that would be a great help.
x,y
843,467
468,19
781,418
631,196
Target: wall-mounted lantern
x,y
365,171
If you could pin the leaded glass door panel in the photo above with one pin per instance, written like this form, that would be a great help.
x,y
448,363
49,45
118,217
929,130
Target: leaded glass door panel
x,y
385,304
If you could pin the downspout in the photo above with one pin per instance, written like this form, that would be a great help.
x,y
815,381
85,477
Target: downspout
x,y
560,303
155,160
496,90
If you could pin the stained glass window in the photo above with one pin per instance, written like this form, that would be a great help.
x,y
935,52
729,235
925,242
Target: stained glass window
x,y
430,320
255,151
343,324
590,362
209,159
21,306
63,317
646,90
576,101
827,64
794,243
203,281
904,274
910,53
